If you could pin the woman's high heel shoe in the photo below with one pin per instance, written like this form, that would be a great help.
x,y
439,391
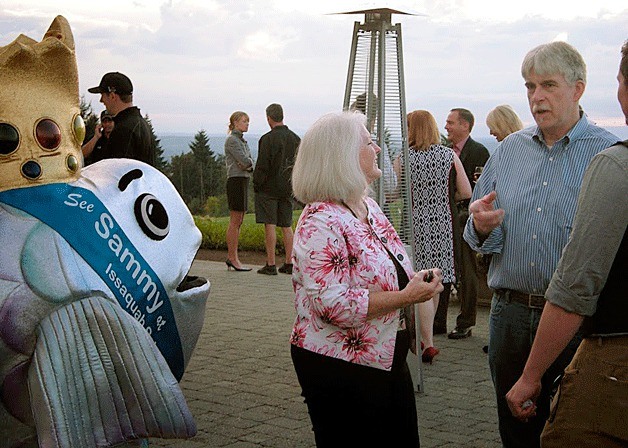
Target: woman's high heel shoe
x,y
231,265
429,354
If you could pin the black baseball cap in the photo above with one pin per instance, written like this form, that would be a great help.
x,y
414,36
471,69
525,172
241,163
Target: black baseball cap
x,y
105,115
113,82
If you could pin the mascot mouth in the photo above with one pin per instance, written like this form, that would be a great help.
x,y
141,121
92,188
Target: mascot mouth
x,y
191,282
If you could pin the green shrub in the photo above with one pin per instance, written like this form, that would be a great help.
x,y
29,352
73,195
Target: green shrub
x,y
196,206
214,230
217,205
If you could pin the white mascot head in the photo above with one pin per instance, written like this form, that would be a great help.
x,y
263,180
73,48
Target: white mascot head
x,y
98,317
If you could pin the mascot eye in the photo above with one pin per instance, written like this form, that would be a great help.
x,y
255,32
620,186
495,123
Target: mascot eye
x,y
152,217
79,129
48,134
9,139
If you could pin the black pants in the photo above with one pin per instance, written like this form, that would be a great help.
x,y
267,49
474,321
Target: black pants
x,y
440,318
354,405
469,288
466,273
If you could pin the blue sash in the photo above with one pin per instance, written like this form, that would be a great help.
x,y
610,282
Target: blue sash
x,y
88,227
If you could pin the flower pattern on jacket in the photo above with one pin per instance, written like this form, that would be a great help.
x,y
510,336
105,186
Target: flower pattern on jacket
x,y
338,261
329,265
359,344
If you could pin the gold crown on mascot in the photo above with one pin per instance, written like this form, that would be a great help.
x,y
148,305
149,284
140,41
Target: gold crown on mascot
x,y
41,128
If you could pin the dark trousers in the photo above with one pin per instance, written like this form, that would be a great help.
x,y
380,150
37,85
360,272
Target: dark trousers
x,y
466,272
512,328
440,318
468,291
354,405
469,288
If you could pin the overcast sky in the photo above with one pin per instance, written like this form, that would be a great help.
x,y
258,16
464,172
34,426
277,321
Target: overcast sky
x,y
194,62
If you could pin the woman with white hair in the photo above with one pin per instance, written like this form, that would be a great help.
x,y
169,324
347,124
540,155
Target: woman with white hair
x,y
354,286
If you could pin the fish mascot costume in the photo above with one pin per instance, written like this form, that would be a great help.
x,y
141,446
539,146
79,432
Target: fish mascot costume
x,y
98,315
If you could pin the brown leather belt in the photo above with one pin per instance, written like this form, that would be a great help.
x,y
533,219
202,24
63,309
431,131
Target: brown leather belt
x,y
529,300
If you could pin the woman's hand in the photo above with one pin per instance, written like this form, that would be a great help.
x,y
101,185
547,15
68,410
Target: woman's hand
x,y
419,289
422,288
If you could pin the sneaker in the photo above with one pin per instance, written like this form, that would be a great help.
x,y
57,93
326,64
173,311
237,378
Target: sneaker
x,y
286,268
268,270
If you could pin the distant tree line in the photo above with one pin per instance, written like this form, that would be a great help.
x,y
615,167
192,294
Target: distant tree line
x,y
199,175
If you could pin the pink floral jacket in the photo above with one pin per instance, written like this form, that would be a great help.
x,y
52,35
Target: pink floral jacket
x,y
338,261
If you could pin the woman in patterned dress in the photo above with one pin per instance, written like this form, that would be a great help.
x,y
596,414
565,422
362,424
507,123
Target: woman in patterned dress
x,y
352,280
437,180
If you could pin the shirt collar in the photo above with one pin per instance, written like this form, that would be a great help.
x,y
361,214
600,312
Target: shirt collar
x,y
575,132
124,112
458,146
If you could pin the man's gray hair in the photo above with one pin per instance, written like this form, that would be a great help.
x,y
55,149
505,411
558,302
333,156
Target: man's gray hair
x,y
555,58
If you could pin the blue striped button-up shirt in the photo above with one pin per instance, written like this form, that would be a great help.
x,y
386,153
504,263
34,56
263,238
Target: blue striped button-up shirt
x,y
537,187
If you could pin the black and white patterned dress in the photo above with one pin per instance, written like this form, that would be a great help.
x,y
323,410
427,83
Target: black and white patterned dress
x,y
431,212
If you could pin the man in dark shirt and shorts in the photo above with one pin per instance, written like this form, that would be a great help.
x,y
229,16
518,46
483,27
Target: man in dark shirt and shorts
x,y
273,188
131,137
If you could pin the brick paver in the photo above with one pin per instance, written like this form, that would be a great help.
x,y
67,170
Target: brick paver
x,y
243,392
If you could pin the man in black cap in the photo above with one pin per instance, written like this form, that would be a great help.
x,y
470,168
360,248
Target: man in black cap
x,y
96,148
131,136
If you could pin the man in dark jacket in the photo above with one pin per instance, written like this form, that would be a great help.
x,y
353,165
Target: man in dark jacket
x,y
273,189
131,136
472,154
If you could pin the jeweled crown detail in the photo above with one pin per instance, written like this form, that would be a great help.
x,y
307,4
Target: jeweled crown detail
x,y
41,130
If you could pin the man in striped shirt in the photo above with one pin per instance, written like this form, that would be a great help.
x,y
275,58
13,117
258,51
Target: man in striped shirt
x,y
588,293
522,211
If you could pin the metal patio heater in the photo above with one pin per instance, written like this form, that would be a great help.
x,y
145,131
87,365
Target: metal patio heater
x,y
375,86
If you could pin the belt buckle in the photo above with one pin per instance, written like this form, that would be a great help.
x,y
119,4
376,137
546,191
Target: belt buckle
x,y
531,305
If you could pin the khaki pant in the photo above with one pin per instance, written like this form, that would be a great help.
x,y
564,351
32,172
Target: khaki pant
x,y
590,408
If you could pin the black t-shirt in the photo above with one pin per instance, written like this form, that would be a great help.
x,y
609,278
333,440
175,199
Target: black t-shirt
x,y
131,137
99,152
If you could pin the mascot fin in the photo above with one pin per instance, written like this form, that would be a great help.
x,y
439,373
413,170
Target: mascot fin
x,y
99,380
